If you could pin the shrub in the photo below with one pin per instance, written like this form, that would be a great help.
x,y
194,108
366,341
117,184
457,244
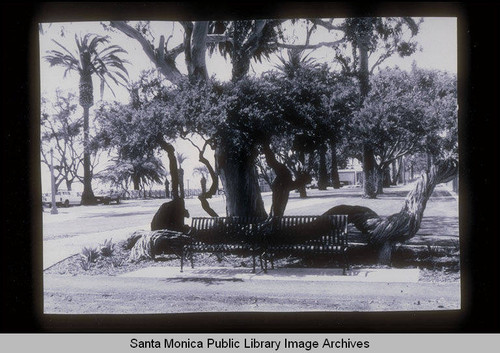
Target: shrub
x,y
108,248
88,256
117,262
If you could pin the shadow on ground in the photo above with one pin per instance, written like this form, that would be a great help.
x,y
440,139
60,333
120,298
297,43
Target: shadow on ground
x,y
207,281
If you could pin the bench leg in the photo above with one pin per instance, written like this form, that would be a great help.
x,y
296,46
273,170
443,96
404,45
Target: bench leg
x,y
346,263
191,258
182,260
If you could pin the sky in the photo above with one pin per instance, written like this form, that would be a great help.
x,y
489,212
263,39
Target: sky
x,y
437,40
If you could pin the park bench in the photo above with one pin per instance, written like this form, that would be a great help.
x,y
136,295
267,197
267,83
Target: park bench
x,y
220,235
289,235
299,235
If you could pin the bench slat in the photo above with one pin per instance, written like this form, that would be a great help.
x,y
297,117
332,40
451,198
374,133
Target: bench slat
x,y
322,235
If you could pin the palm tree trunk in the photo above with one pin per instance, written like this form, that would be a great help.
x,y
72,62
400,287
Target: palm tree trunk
x,y
88,197
136,181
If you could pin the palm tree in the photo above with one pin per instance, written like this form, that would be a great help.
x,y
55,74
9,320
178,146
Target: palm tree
x,y
181,157
92,57
296,61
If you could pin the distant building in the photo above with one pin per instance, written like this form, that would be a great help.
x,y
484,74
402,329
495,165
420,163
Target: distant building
x,y
350,176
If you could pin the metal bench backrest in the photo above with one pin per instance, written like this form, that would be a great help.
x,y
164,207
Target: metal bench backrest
x,y
329,229
224,229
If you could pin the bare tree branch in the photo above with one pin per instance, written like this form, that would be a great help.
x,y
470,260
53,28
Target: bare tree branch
x,y
252,43
167,68
328,25
333,44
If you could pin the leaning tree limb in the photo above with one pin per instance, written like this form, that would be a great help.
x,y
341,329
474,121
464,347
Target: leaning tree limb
x,y
383,233
403,226
204,196
283,183
145,245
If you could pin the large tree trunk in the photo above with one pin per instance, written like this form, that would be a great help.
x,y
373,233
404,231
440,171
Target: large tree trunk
x,y
283,183
207,194
395,171
146,245
136,181
239,178
88,197
322,171
370,177
181,182
334,167
369,164
198,50
174,173
302,189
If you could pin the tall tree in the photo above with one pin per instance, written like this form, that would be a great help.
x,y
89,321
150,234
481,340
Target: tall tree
x,y
141,171
242,41
93,57
361,45
405,113
367,36
61,132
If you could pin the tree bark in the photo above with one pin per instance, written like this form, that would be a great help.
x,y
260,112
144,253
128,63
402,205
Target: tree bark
x,y
370,178
283,183
198,50
145,245
88,197
302,189
369,164
322,172
334,167
174,174
239,178
402,226
136,181
167,188
166,67
181,182
207,194
395,172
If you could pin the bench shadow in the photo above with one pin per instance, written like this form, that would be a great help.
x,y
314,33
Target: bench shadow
x,y
205,280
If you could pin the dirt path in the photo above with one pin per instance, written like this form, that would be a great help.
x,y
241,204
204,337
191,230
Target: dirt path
x,y
112,295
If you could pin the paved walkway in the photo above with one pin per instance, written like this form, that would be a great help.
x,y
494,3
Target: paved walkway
x,y
133,295
282,274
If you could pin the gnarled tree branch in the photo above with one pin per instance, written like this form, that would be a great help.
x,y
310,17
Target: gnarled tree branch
x,y
166,67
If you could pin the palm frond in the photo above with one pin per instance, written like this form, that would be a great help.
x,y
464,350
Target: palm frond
x,y
64,48
92,59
